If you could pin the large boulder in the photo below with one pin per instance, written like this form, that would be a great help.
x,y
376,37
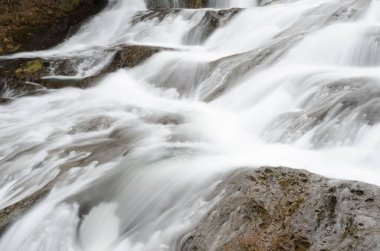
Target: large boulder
x,y
27,25
286,209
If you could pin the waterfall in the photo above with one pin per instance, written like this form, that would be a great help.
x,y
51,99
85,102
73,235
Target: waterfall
x,y
129,163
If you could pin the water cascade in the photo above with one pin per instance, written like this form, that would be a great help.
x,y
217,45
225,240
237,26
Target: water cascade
x,y
128,164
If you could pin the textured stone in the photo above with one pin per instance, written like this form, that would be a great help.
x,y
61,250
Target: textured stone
x,y
286,209
27,25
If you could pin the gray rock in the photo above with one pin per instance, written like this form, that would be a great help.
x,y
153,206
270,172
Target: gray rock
x,y
286,209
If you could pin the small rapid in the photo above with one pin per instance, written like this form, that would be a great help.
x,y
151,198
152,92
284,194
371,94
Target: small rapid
x,y
129,163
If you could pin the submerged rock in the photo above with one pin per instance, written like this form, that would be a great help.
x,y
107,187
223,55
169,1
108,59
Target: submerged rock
x,y
212,20
11,213
329,111
286,209
157,4
27,25
131,55
155,14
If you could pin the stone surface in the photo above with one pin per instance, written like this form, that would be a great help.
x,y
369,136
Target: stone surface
x,y
130,56
27,76
27,25
286,209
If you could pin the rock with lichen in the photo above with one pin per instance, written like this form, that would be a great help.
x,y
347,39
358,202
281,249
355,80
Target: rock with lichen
x,y
287,209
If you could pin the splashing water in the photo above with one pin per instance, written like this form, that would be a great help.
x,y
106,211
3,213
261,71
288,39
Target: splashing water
x,y
128,164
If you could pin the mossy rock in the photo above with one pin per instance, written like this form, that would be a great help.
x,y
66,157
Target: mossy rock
x,y
292,210
32,67
32,76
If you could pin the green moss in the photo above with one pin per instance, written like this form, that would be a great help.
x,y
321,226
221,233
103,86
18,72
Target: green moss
x,y
198,3
30,68
34,66
19,72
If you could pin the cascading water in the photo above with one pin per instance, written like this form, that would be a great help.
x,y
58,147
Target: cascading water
x,y
231,3
129,163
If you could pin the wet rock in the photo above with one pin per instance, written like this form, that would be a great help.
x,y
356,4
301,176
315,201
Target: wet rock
x,y
10,213
26,76
286,209
209,23
212,20
158,14
5,100
17,76
35,25
157,4
224,73
130,56
335,110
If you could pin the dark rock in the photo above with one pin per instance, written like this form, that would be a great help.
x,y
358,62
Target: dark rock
x,y
27,76
35,25
286,209
5,100
131,55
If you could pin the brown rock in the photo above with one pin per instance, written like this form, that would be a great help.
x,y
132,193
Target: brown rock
x,y
35,25
131,55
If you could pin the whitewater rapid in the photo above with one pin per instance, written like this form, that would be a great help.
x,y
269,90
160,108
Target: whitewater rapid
x,y
131,161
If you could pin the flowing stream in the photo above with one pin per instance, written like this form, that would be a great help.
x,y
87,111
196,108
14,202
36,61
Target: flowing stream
x,y
130,162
